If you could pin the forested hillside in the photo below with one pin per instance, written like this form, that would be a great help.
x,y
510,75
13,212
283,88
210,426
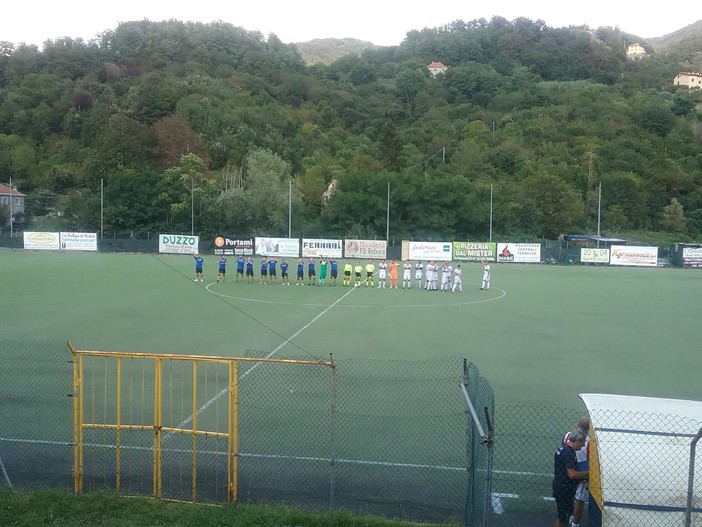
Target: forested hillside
x,y
209,123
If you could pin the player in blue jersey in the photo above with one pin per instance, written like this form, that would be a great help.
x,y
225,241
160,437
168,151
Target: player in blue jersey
x,y
311,273
249,270
264,272
198,267
284,272
334,266
240,263
272,271
222,271
300,272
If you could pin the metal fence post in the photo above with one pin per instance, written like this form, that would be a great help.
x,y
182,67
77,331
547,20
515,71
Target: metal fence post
x,y
691,478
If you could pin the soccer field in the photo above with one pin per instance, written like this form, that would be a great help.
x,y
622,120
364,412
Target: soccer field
x,y
541,335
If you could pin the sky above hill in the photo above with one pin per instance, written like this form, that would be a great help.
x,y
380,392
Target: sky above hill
x,y
382,22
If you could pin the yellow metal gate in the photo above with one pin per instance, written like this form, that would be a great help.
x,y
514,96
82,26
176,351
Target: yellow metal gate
x,y
118,394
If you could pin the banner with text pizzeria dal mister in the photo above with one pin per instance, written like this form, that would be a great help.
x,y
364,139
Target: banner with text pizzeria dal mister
x,y
178,244
519,252
474,251
319,247
437,251
633,255
366,249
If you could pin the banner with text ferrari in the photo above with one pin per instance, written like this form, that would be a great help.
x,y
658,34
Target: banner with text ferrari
x,y
633,255
319,247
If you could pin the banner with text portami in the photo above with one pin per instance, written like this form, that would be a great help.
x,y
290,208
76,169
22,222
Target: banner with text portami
x,y
474,251
232,246
592,255
178,244
519,252
283,247
79,241
633,255
365,249
44,241
438,251
312,247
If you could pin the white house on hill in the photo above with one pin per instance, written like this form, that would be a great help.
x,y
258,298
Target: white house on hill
x,y
690,79
436,68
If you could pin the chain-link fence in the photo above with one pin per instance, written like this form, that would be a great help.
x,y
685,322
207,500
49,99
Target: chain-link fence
x,y
392,438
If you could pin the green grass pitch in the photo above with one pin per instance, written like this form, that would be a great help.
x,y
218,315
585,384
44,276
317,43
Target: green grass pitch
x,y
541,335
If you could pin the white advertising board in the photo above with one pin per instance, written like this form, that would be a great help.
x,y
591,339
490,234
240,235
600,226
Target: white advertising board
x,y
365,249
519,252
178,244
592,255
45,241
438,251
633,255
79,241
692,256
312,247
285,247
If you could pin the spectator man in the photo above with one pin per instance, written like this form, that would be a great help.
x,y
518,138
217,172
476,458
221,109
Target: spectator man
x,y
566,476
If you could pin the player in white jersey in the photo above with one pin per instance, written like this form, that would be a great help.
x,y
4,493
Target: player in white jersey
x,y
418,269
445,277
457,279
429,275
486,276
434,276
407,275
382,274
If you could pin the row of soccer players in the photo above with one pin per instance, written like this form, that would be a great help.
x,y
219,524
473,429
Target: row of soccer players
x,y
352,274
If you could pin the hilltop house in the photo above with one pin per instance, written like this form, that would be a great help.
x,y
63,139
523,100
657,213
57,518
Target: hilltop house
x,y
690,79
12,200
635,51
436,68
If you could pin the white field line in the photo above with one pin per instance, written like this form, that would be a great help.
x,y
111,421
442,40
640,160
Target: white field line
x,y
222,392
277,456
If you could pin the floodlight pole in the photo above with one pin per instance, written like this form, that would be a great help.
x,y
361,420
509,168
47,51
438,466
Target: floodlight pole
x,y
599,213
490,212
387,219
102,205
290,209
12,220
192,205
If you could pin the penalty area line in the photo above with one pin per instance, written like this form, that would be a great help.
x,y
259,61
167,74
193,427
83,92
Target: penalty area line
x,y
222,392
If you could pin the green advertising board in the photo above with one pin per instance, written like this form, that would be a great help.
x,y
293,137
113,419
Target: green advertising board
x,y
474,251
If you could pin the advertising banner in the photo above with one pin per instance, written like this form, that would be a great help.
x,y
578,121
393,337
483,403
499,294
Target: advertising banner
x,y
519,252
78,241
319,247
440,251
474,251
178,244
233,246
692,256
45,241
590,255
633,255
365,249
285,247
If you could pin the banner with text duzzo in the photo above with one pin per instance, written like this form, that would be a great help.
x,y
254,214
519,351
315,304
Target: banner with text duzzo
x,y
233,246
633,255
440,251
519,252
79,241
474,251
365,249
692,256
312,247
591,255
284,247
44,241
178,244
